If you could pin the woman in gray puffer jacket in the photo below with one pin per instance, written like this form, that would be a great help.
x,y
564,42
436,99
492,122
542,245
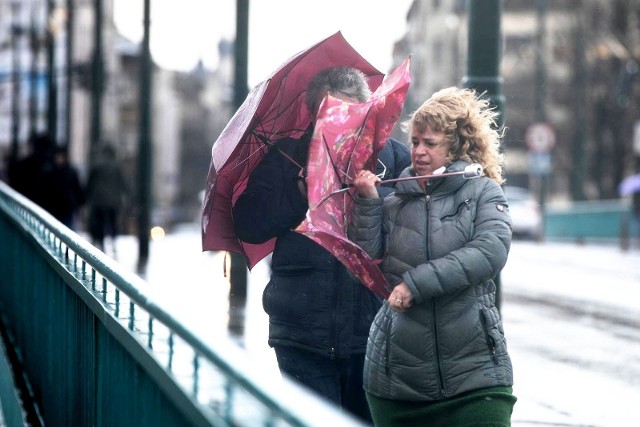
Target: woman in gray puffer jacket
x,y
437,354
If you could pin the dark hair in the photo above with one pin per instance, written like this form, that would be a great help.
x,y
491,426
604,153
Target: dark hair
x,y
338,80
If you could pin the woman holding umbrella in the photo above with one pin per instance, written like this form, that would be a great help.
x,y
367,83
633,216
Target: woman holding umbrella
x,y
319,315
437,354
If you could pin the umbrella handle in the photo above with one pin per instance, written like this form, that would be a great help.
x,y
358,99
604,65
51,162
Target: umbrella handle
x,y
472,171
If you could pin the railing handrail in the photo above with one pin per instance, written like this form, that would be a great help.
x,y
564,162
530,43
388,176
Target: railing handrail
x,y
289,401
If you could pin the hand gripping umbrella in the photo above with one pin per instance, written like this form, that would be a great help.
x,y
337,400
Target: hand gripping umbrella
x,y
347,138
274,109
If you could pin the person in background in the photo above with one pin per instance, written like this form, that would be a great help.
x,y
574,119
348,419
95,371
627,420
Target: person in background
x,y
107,190
319,315
27,174
437,354
64,195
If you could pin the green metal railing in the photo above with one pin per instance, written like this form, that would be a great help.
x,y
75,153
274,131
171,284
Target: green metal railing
x,y
598,220
97,351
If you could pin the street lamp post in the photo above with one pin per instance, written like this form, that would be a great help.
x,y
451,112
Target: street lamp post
x,y
34,46
69,71
483,62
52,85
484,52
16,31
238,273
145,147
97,75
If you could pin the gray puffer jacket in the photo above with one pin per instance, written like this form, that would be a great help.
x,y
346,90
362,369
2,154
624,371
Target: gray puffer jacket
x,y
447,246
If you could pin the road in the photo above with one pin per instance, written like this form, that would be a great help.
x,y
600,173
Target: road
x,y
572,320
571,317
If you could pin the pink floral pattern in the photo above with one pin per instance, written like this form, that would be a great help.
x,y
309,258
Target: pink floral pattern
x,y
347,139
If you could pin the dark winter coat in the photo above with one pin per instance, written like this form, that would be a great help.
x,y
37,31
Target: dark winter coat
x,y
312,301
447,246
65,194
107,186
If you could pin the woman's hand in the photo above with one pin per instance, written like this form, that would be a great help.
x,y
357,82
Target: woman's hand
x,y
365,184
400,298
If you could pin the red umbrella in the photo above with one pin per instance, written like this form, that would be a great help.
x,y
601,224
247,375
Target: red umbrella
x,y
347,138
274,109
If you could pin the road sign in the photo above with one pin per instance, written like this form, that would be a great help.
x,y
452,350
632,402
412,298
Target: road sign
x,y
540,137
540,163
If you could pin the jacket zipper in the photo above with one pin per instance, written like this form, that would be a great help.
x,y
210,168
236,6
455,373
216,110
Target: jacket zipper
x,y
465,203
433,304
334,316
490,341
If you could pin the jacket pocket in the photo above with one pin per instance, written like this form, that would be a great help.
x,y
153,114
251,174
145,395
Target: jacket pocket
x,y
465,205
286,300
487,325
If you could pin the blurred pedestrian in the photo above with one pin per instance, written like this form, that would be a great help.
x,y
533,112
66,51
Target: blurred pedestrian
x,y
107,190
26,175
319,315
437,353
635,206
64,194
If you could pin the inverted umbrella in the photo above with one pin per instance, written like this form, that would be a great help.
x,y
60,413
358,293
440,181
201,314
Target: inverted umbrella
x,y
273,110
347,139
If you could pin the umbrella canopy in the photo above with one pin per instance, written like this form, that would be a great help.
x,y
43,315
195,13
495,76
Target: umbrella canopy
x,y
273,110
347,139
629,185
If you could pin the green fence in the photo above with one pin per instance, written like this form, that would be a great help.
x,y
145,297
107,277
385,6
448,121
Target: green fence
x,y
97,352
600,221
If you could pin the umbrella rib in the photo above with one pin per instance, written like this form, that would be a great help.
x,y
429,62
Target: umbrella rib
x,y
358,141
406,178
337,170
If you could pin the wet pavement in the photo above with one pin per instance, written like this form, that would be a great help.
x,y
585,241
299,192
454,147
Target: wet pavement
x,y
571,316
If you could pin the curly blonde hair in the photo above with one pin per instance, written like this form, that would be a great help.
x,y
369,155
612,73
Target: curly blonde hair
x,y
469,124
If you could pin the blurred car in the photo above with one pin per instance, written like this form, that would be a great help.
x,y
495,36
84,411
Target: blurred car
x,y
525,213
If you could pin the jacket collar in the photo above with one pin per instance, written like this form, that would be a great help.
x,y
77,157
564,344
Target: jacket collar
x,y
438,187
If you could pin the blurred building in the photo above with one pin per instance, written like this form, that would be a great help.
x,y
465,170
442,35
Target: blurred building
x,y
188,110
571,64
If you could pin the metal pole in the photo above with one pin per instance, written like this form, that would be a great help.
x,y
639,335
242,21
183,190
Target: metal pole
x,y
52,87
69,71
238,273
34,45
576,178
483,63
484,52
97,75
15,80
145,147
540,90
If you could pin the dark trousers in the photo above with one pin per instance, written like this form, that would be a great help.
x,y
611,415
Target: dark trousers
x,y
339,380
103,223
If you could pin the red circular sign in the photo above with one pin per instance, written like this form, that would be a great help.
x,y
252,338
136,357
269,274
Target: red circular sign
x,y
540,137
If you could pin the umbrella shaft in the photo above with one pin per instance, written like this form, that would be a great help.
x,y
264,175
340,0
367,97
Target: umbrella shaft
x,y
423,177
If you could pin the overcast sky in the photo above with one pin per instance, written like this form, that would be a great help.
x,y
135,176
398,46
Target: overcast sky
x,y
184,31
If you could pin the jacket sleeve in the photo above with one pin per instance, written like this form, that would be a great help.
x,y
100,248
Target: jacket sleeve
x,y
272,203
402,157
394,158
480,259
365,228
